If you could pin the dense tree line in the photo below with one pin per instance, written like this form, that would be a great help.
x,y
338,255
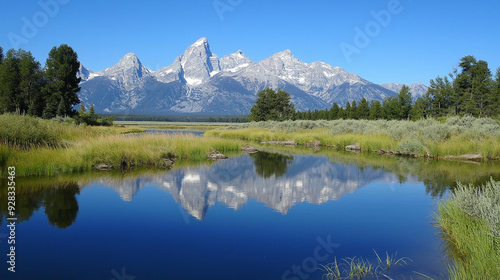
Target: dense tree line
x,y
470,91
392,108
26,88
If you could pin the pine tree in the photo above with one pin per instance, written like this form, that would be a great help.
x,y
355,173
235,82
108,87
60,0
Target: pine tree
x,y
363,109
91,114
82,109
334,111
10,78
391,107
32,110
271,105
61,109
354,110
404,98
441,97
376,110
62,83
1,54
48,112
496,94
418,109
348,111
31,82
473,87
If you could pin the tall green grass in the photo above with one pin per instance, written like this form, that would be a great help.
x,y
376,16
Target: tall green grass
x,y
116,150
47,147
454,137
469,223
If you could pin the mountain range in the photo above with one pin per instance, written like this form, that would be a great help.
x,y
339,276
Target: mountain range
x,y
199,82
236,181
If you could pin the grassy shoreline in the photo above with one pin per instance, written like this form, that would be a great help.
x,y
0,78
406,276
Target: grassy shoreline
x,y
469,223
426,138
46,148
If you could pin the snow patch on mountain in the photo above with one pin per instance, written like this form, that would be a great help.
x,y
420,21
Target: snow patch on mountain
x,y
199,82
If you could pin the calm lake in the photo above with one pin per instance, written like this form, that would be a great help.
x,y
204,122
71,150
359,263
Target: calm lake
x,y
266,215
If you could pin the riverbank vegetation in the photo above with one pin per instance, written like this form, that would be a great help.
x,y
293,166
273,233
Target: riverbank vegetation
x,y
45,147
428,137
438,176
469,222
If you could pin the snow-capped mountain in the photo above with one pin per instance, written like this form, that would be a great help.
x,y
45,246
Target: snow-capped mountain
x,y
312,179
199,82
416,89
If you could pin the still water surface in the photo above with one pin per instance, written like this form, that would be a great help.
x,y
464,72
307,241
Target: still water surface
x,y
256,216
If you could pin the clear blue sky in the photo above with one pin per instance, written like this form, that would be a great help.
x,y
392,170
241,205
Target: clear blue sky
x,y
422,39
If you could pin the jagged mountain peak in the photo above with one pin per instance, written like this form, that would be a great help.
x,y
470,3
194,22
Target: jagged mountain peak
x,y
234,62
84,73
201,41
199,63
199,82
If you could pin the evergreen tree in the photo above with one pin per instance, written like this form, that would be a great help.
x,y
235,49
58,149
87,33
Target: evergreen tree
x,y
31,84
49,112
62,83
354,110
92,116
404,98
308,114
376,110
82,109
342,113
441,97
61,108
391,108
348,111
473,87
363,109
1,54
496,93
272,105
418,109
10,78
334,111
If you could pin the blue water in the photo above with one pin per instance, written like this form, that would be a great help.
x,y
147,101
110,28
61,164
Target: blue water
x,y
175,131
248,217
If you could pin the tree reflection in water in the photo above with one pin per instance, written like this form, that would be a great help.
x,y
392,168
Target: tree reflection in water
x,y
269,164
61,206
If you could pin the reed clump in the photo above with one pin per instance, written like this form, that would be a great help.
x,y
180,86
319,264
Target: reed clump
x,y
469,224
362,269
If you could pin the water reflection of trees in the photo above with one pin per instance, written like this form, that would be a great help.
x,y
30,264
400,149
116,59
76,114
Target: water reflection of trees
x,y
438,176
269,164
61,206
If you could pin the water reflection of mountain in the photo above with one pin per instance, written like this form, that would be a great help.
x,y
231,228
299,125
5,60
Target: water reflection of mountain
x,y
235,181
